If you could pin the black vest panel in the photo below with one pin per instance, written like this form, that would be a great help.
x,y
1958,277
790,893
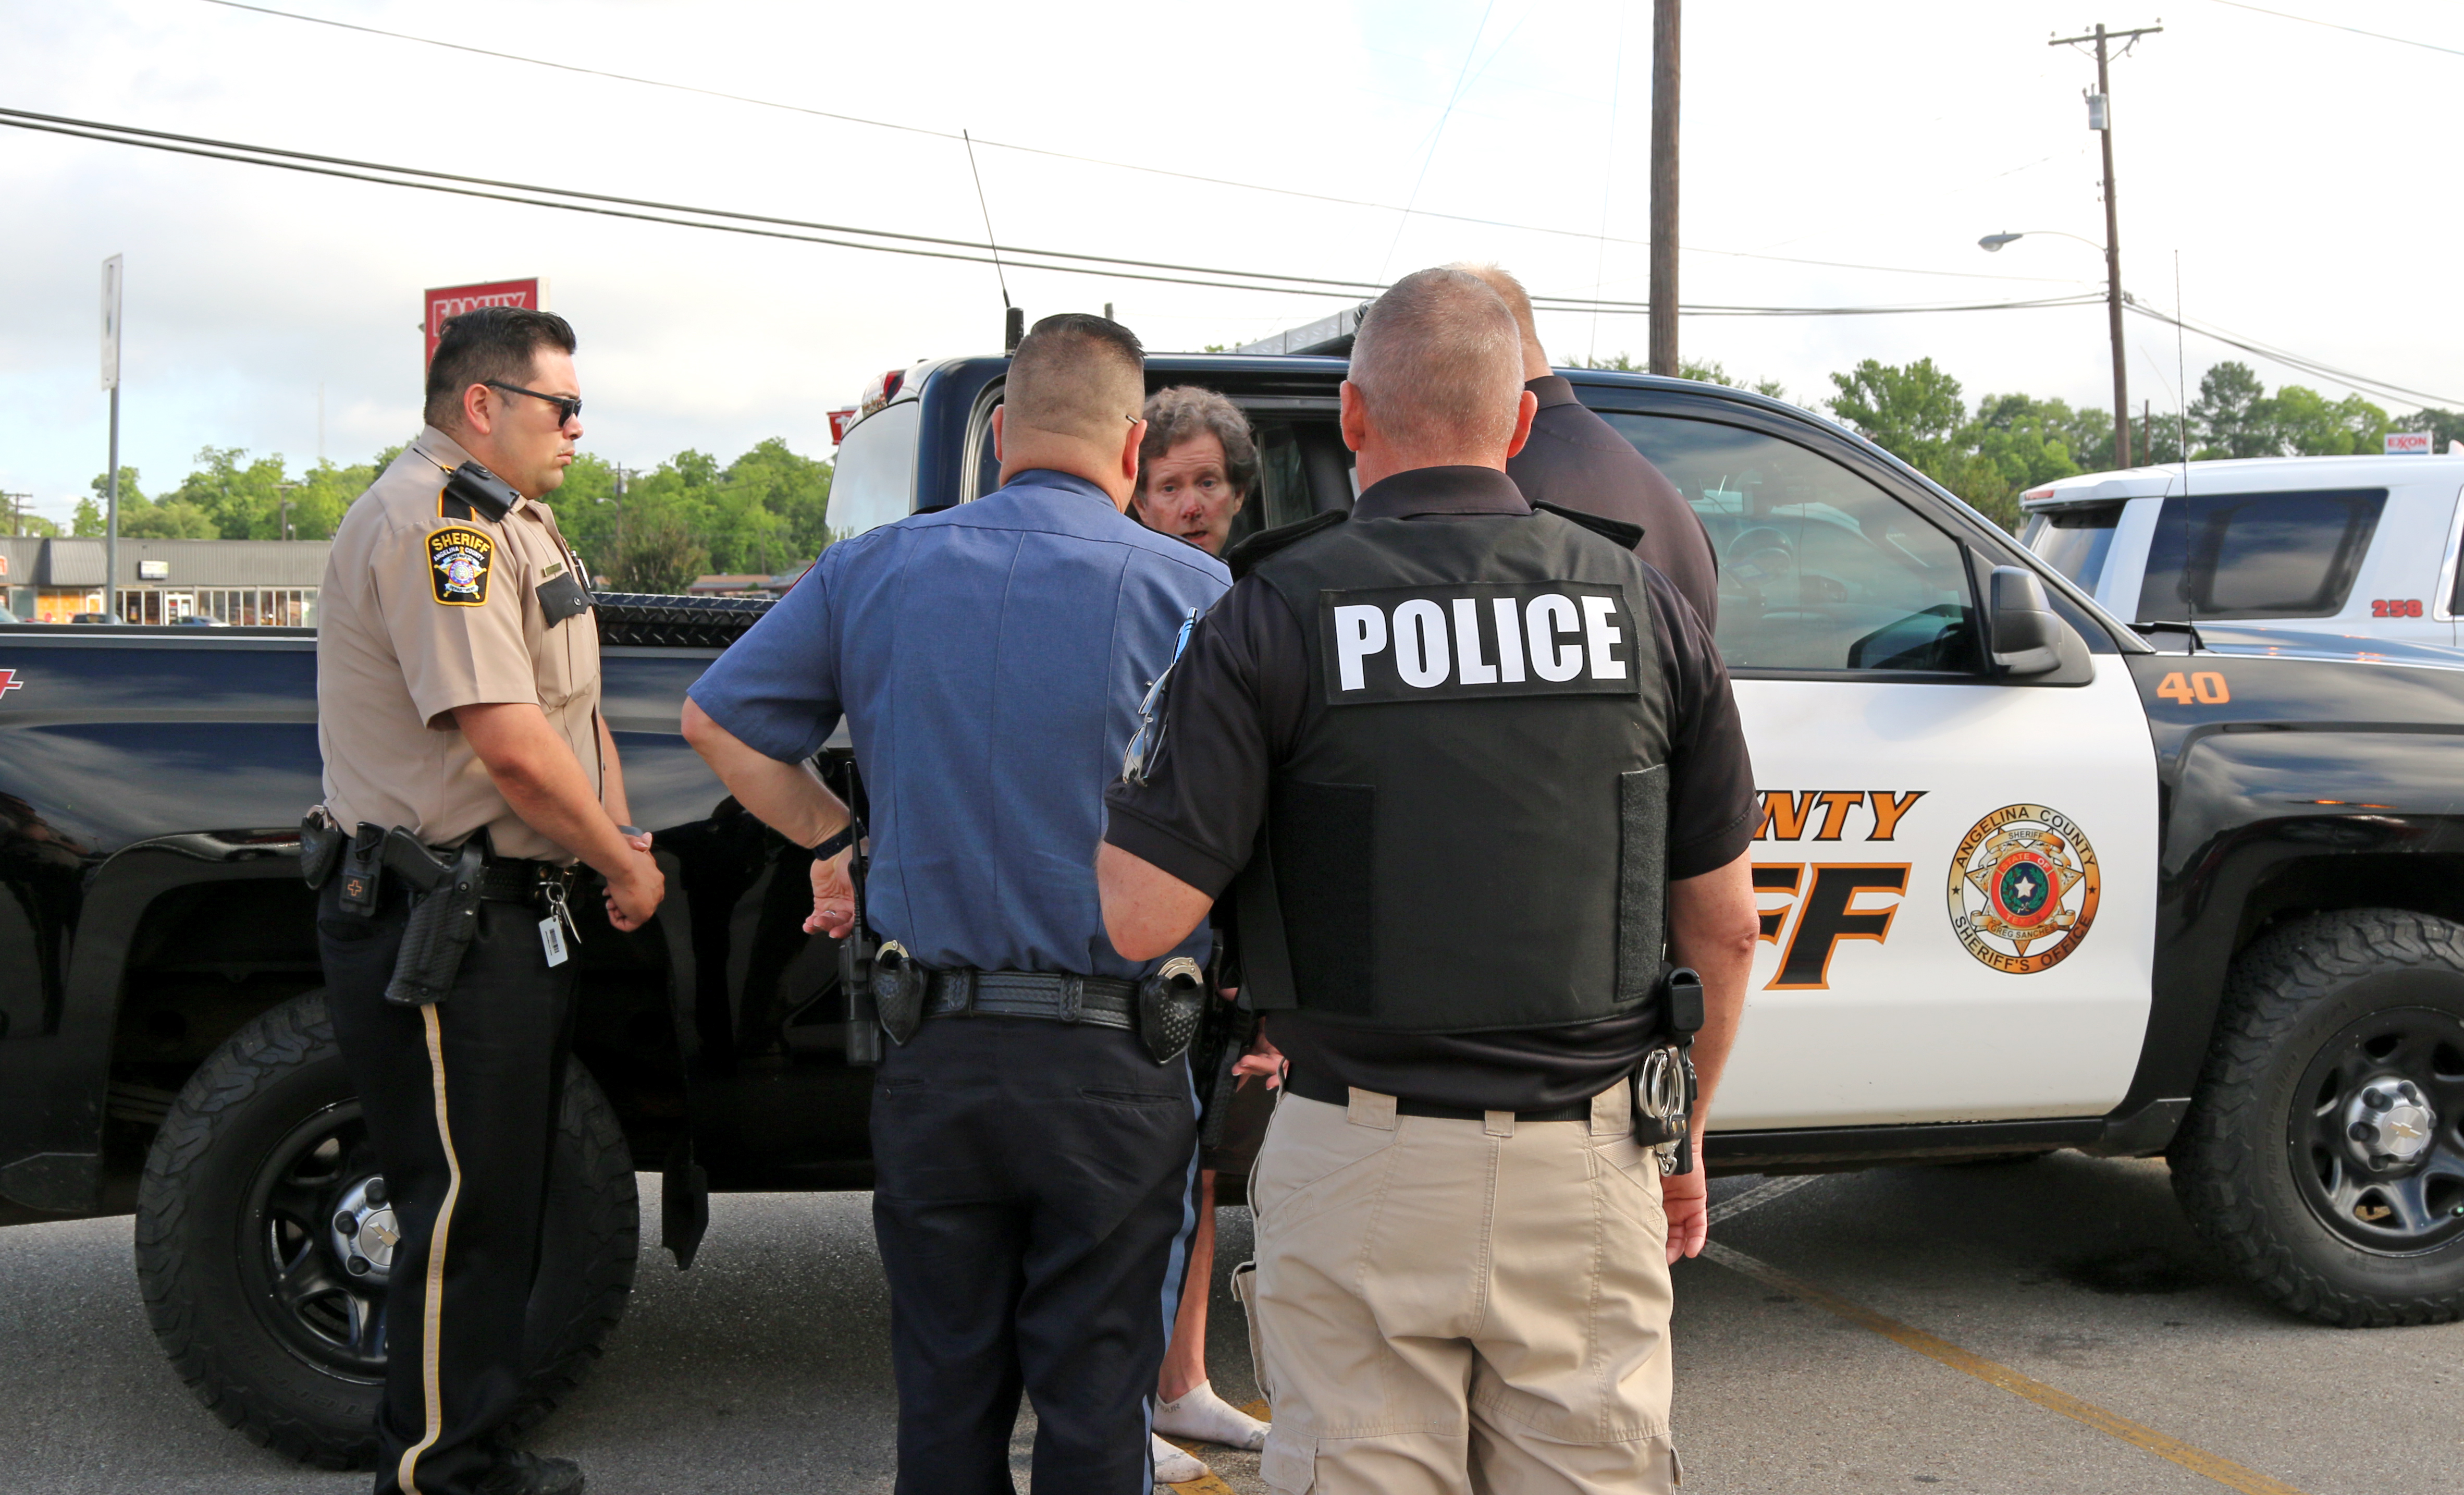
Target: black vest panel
x,y
1470,833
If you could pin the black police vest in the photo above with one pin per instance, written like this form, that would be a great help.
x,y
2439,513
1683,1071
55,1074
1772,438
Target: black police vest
x,y
1470,833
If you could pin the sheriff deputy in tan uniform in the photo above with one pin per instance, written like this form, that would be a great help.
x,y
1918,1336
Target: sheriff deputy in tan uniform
x,y
457,703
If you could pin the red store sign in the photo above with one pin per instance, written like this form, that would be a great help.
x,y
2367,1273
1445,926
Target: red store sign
x,y
448,301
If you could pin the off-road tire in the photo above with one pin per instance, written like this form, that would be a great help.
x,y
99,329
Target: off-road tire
x,y
280,1069
2286,996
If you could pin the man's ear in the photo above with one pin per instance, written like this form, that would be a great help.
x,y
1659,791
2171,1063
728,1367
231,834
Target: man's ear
x,y
1355,416
1129,451
478,415
998,410
1524,412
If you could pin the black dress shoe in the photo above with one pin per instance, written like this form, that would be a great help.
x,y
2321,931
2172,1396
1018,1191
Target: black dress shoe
x,y
529,1474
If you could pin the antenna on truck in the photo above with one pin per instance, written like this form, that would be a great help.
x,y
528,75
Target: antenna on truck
x,y
1013,318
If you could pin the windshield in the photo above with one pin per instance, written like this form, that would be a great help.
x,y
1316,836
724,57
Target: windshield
x,y
2075,542
874,480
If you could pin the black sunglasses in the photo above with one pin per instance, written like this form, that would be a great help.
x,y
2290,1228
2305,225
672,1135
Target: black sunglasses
x,y
568,406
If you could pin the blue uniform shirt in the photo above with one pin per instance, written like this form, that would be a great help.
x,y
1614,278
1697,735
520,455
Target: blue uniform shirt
x,y
989,660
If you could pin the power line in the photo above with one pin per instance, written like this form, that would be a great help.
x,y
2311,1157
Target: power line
x,y
1091,160
2308,365
925,246
2339,26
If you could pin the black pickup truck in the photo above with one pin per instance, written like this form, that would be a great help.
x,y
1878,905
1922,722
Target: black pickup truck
x,y
2031,879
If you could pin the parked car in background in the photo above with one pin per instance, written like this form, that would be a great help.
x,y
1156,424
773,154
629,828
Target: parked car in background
x,y
2363,545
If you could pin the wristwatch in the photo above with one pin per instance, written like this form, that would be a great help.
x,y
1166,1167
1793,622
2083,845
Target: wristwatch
x,y
832,846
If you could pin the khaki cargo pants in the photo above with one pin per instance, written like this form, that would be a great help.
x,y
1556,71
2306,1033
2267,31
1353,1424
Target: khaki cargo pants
x,y
1447,1306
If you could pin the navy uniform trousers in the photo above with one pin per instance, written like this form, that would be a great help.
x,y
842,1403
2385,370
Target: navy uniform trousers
x,y
461,1100
1032,1199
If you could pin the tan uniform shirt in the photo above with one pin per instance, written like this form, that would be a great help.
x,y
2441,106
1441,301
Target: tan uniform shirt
x,y
423,611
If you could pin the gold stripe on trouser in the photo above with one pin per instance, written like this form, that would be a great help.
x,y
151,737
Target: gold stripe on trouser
x,y
1448,1306
432,1309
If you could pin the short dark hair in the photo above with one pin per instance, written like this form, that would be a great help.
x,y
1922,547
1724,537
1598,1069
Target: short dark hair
x,y
490,345
1076,374
1175,414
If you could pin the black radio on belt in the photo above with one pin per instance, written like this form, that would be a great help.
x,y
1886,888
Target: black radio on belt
x,y
1663,1083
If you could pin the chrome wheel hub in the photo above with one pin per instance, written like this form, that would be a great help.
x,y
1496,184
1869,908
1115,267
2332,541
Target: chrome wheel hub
x,y
364,1233
2390,1123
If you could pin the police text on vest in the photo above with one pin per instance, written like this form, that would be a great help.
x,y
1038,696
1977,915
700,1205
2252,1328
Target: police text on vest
x,y
1477,639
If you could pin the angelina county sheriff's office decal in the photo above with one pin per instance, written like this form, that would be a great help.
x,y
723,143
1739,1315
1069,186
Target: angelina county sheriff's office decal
x,y
458,558
2023,889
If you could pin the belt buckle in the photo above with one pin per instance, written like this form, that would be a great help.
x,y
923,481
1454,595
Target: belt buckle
x,y
1074,998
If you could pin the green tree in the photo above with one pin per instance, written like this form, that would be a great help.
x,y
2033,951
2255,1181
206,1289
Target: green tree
x,y
2230,415
2313,426
660,553
1913,411
2028,439
2444,426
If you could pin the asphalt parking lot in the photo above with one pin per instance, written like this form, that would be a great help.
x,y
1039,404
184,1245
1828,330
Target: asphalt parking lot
x,y
2043,1327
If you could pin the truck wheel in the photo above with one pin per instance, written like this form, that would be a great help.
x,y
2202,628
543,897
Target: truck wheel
x,y
2324,1152
269,1311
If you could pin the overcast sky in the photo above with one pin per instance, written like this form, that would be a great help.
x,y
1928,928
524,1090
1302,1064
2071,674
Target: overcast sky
x,y
2291,165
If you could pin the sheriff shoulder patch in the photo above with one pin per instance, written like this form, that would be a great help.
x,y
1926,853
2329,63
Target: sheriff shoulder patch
x,y
459,557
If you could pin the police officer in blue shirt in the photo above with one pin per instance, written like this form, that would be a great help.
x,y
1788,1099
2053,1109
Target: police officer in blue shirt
x,y
1034,1132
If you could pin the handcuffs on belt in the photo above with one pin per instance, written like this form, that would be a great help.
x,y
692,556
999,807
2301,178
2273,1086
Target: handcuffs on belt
x,y
1663,1083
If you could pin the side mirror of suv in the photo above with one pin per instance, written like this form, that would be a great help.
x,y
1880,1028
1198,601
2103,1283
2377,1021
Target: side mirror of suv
x,y
2026,636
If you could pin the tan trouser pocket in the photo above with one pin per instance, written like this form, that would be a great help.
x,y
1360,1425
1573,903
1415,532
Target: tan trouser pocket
x,y
1290,1463
1244,1291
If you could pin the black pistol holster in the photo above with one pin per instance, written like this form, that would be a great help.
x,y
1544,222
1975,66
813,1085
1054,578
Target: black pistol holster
x,y
1225,1029
444,914
856,958
1663,1083
1171,1002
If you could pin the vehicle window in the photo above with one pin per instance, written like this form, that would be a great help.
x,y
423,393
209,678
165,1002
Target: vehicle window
x,y
2257,554
874,480
1819,569
1283,496
2075,542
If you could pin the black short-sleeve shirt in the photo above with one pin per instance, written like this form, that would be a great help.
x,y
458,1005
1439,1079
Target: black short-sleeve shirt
x,y
1577,460
1234,707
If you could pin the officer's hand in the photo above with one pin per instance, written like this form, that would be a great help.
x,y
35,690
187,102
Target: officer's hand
x,y
634,895
1263,1057
640,842
1687,1200
833,898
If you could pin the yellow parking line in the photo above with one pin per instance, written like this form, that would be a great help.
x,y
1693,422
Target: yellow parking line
x,y
2198,1460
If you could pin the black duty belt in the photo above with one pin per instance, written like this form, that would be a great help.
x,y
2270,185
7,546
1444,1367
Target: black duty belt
x,y
1309,1086
510,881
1094,999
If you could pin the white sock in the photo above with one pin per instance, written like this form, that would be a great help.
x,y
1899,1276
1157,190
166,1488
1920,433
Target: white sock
x,y
1172,1466
1201,1413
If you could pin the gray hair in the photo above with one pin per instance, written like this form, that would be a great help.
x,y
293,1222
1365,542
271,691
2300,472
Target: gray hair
x,y
1440,362
1518,300
1175,414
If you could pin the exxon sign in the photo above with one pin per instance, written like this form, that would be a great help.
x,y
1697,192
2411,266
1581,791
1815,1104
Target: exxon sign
x,y
2408,443
449,302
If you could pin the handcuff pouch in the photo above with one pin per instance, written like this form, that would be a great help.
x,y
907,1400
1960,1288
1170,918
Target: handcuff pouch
x,y
1171,1000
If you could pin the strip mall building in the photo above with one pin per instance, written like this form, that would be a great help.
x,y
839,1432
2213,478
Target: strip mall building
x,y
244,582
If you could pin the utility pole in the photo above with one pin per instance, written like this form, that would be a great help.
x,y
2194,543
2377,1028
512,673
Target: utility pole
x,y
2100,118
17,504
1663,185
111,488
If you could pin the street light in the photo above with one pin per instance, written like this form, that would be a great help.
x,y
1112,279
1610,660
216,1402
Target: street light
x,y
1993,243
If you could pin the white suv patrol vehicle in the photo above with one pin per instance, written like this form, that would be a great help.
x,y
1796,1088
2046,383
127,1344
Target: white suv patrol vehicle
x,y
2355,545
